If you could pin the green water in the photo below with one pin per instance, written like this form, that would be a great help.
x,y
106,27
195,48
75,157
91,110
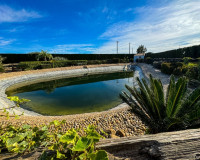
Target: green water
x,y
83,94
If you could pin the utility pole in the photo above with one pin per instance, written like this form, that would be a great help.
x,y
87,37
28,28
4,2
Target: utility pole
x,y
117,46
132,50
129,48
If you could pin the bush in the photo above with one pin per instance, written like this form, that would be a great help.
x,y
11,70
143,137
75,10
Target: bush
x,y
177,64
140,60
166,68
115,60
60,59
148,60
186,60
193,73
1,68
178,110
95,62
175,68
177,71
49,64
157,64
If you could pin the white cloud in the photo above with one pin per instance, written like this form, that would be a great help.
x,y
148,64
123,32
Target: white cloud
x,y
159,28
73,48
4,42
8,14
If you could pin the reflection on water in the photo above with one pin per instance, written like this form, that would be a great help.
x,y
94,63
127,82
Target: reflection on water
x,y
83,94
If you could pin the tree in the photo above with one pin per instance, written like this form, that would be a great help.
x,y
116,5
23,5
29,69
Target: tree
x,y
2,59
44,55
141,49
179,109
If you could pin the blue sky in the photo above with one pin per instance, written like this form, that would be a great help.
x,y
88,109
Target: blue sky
x,y
94,26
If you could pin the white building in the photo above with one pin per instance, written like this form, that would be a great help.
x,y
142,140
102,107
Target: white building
x,y
139,56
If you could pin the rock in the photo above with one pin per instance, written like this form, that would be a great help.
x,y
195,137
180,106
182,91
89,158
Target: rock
x,y
110,131
120,133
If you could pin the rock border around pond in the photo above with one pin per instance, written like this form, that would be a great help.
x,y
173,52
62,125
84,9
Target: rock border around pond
x,y
42,76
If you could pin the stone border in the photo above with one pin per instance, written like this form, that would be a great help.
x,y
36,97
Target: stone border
x,y
41,76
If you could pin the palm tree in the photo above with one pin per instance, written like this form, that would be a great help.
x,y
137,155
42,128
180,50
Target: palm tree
x,y
178,109
44,55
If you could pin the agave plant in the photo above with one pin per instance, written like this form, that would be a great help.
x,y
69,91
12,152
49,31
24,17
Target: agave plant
x,y
176,109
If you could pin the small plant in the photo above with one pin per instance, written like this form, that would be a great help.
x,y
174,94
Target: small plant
x,y
22,139
179,109
69,145
17,101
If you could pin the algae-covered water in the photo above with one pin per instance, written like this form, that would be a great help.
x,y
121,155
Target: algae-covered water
x,y
88,93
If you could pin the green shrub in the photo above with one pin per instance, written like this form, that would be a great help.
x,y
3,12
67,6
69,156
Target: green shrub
x,y
176,109
166,68
186,60
140,60
193,73
1,68
157,64
177,64
115,60
60,59
148,60
49,64
177,71
172,68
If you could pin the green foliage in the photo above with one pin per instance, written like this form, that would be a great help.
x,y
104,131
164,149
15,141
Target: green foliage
x,y
141,49
172,68
179,109
2,59
64,63
1,68
18,101
44,55
157,64
59,59
166,68
148,60
68,145
190,70
193,72
140,60
49,64
22,139
1,65
186,60
16,58
193,51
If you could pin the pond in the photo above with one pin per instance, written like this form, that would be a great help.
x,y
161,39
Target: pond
x,y
84,94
